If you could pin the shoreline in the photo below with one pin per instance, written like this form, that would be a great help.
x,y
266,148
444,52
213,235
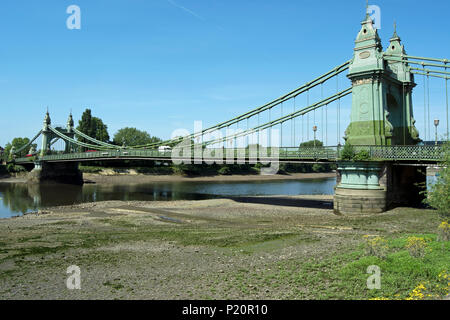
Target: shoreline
x,y
130,179
147,178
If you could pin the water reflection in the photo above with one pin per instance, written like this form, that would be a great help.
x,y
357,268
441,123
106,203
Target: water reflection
x,y
17,199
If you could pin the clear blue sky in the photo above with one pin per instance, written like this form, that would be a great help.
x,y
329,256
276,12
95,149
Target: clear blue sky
x,y
158,65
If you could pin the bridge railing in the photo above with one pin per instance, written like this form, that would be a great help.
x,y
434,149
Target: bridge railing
x,y
375,153
400,153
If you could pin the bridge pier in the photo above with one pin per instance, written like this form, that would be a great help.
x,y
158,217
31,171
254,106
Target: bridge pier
x,y
374,187
62,172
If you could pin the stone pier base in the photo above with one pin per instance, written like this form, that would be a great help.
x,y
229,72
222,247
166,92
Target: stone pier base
x,y
354,201
374,187
65,172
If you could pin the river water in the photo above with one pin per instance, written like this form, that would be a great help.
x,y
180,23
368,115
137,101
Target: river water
x,y
19,198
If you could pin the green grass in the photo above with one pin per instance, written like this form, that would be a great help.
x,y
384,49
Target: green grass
x,y
343,275
400,273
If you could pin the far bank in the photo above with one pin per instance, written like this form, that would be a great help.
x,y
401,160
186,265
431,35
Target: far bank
x,y
142,178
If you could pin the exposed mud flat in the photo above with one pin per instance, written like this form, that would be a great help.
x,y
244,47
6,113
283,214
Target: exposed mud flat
x,y
239,248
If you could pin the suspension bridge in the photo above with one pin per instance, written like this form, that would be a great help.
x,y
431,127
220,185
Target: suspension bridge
x,y
382,129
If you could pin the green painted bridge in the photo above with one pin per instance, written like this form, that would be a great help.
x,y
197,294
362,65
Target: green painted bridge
x,y
382,130
411,154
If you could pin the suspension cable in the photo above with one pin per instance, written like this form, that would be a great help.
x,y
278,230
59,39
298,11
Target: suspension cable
x,y
79,143
85,136
292,115
325,77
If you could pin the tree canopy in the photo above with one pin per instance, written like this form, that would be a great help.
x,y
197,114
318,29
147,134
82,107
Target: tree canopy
x,y
439,193
311,143
93,127
18,143
133,137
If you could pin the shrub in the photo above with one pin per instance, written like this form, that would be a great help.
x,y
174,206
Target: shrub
x,y
12,168
426,290
348,152
224,171
363,155
417,247
439,194
444,231
376,246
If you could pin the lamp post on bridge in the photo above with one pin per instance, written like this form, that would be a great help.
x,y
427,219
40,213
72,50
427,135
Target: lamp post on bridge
x,y
436,123
315,130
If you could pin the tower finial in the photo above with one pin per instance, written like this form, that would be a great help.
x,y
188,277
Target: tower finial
x,y
367,10
395,35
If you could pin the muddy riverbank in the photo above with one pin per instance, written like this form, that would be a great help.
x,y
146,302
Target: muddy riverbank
x,y
272,247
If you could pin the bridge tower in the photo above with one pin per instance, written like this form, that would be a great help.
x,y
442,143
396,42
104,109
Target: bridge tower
x,y
45,171
46,135
381,93
381,115
69,133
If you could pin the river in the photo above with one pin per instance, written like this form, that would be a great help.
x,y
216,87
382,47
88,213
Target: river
x,y
19,198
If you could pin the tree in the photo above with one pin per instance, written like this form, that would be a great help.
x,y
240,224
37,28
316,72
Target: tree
x,y
101,130
439,194
93,127
18,143
311,143
133,137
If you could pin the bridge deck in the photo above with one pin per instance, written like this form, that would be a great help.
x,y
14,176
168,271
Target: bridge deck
x,y
428,154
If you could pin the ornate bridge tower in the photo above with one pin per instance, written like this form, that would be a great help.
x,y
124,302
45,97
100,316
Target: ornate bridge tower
x,y
46,135
381,115
64,172
382,93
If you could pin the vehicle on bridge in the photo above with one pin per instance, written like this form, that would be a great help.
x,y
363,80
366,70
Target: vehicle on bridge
x,y
164,148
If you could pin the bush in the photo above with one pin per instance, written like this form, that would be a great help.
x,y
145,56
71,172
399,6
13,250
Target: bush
x,y
347,152
438,195
417,246
363,155
376,246
225,171
12,168
444,231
